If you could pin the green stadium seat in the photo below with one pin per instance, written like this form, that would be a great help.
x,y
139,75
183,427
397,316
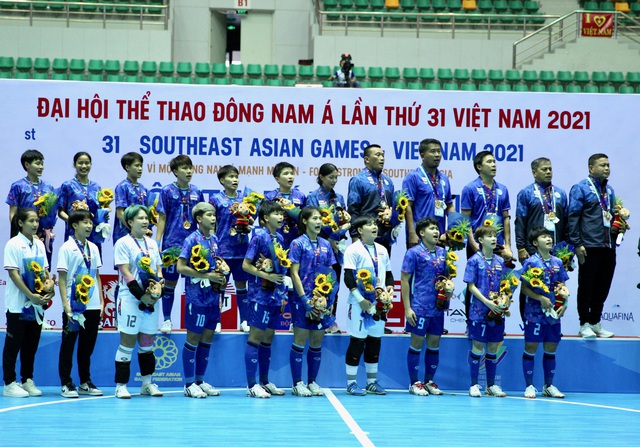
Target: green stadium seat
x,y
112,67
581,77
41,64
5,75
236,71
461,74
377,5
512,76
76,76
409,74
167,79
131,68
322,72
60,65
375,73
184,69
203,69
392,73
218,69
516,6
538,88
439,5
330,3
599,77
288,71
363,84
202,80
485,6
496,76
40,75
149,79
77,65
221,81
625,89
380,84
6,63
107,6
445,74
185,80
478,75
22,75
474,18
24,64
556,88
114,78
132,78
530,76
94,77
256,81
468,87
433,85
485,87
574,88
72,8
345,3
305,72
55,5
333,17
423,5
361,4
96,66
289,83
500,6
273,70
414,85
607,89
531,7
166,68
520,88
149,68
591,6
547,76
398,84
454,5
7,5
564,77
607,6
590,88
90,8
503,87
254,70
427,75
238,81
450,86
64,77
616,77
359,72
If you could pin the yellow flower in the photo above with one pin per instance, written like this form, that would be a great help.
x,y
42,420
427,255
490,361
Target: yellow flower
x,y
35,267
504,284
195,250
106,195
153,216
83,298
324,213
145,261
251,208
403,202
326,288
487,222
39,201
334,227
195,259
535,271
364,275
514,281
280,253
87,280
82,289
400,217
202,265
42,212
369,287
452,256
38,285
285,263
256,195
545,289
535,282
321,279
152,271
458,237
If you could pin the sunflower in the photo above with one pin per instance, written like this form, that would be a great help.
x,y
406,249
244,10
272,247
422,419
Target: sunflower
x,y
251,208
195,259
325,213
195,250
105,195
256,195
458,237
364,275
153,216
400,217
321,279
83,298
334,227
39,201
42,212
152,271
453,271
369,287
452,256
87,280
504,284
325,288
202,265
545,289
35,267
403,202
281,254
487,222
285,263
167,260
535,271
145,261
38,285
514,281
81,289
535,282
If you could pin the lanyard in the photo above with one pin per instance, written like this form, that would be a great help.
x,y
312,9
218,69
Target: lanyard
x,y
185,199
84,188
428,254
145,252
374,257
86,254
208,239
548,202
315,245
138,192
37,192
379,186
603,197
434,182
491,205
491,270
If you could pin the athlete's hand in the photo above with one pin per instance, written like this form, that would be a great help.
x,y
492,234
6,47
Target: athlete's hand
x,y
365,305
581,253
560,312
410,316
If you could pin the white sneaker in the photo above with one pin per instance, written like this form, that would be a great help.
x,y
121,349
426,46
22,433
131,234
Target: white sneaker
x,y
258,392
300,389
315,389
244,327
552,391
30,387
218,328
586,332
418,389
291,327
89,389
208,389
69,391
272,389
122,392
150,389
194,391
432,388
166,327
46,326
601,333
14,390
474,391
530,392
495,391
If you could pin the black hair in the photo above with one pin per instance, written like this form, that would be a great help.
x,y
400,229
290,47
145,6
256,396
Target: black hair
x,y
485,230
536,232
279,167
20,216
479,158
368,149
425,223
80,154
361,221
535,163
268,207
180,160
424,145
30,156
596,157
130,158
325,169
78,216
306,214
226,170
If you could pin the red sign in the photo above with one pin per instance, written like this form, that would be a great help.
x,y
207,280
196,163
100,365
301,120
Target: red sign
x,y
598,24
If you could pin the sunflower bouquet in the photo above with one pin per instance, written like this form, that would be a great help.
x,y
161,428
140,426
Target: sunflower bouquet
x,y
47,207
509,282
458,230
103,228
492,220
401,201
81,290
148,274
199,259
535,277
450,264
170,256
366,282
38,281
565,252
329,224
252,199
291,213
282,255
324,291
153,209
619,224
105,197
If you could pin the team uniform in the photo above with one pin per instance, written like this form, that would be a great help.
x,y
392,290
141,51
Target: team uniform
x,y
129,251
126,194
76,259
72,191
313,257
376,259
299,200
323,198
23,327
485,202
430,195
368,193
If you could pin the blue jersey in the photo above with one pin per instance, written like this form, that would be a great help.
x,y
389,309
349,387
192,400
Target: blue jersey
x,y
194,292
176,204
126,194
322,198
290,222
229,247
262,244
486,276
314,258
424,267
367,190
553,273
423,190
23,194
482,201
72,191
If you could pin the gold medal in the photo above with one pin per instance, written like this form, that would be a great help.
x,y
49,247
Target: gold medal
x,y
438,204
552,215
186,225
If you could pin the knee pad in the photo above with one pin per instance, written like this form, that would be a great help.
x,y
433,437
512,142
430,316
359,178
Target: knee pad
x,y
123,370
123,354
145,342
372,349
354,351
147,362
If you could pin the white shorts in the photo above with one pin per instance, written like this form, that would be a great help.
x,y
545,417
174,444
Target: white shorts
x,y
133,321
355,324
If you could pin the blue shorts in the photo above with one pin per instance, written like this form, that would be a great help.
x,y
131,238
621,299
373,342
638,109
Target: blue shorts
x,y
426,325
486,332
170,273
198,318
300,320
238,273
263,317
542,332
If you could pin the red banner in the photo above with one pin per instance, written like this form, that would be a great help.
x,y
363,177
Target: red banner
x,y
598,24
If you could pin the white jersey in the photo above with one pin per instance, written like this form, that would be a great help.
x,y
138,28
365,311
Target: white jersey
x,y
70,260
358,256
128,251
17,250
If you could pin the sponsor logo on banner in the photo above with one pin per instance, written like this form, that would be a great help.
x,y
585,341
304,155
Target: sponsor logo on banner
x,y
166,353
616,313
109,283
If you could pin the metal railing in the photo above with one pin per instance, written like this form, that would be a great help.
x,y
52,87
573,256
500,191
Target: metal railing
x,y
34,11
566,29
422,22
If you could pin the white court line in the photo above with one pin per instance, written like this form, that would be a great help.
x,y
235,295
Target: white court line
x,y
580,404
346,417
